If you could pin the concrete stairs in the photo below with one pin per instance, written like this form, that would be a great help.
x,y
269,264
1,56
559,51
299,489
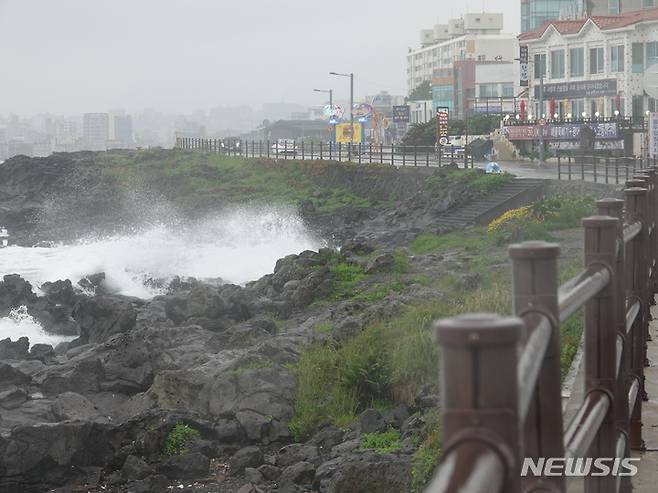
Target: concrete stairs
x,y
482,211
506,151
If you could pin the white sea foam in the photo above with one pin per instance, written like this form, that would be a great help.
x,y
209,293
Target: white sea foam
x,y
237,246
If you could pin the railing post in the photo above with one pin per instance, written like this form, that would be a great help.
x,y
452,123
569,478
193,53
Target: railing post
x,y
636,281
480,408
601,233
535,288
615,208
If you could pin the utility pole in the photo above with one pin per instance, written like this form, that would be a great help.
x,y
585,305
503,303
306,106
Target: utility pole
x,y
351,76
331,108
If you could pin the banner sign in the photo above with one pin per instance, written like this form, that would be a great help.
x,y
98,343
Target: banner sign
x,y
401,114
523,58
566,131
362,112
653,135
584,89
344,135
442,119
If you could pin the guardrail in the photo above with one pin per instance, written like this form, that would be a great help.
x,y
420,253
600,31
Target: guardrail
x,y
500,376
601,169
395,155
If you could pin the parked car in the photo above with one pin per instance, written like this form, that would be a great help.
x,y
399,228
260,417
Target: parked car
x,y
284,147
230,145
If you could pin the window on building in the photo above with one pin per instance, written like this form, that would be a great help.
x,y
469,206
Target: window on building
x,y
508,90
638,58
488,90
652,53
577,62
613,7
557,64
596,60
648,3
653,105
617,58
540,66
577,108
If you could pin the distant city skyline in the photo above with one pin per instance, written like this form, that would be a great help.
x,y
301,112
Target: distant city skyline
x,y
75,56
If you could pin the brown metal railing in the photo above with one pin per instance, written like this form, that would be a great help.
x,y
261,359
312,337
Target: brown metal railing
x,y
500,377
363,153
600,169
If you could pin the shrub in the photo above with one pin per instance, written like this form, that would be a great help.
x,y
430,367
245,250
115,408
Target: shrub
x,y
178,438
382,442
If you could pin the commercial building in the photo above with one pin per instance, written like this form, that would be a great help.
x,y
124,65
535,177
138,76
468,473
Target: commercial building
x,y
95,131
593,67
475,36
534,13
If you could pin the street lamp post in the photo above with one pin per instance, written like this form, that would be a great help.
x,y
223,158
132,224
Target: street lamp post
x,y
351,76
331,108
541,112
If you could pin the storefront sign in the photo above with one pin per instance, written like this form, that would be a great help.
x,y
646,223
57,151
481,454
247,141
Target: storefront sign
x,y
442,119
523,59
401,114
565,131
583,89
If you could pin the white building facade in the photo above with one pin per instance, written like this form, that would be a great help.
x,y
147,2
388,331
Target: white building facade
x,y
593,67
476,36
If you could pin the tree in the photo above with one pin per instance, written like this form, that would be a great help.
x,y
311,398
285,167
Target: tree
x,y
421,93
424,134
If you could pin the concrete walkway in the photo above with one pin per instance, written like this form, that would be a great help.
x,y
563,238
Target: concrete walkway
x,y
647,479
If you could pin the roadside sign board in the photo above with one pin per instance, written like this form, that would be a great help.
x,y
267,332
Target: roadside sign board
x,y
442,120
402,114
344,135
523,58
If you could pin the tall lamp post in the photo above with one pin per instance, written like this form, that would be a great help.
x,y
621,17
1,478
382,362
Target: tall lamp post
x,y
331,106
351,76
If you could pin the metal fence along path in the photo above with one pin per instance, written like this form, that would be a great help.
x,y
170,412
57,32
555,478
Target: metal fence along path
x,y
395,155
500,376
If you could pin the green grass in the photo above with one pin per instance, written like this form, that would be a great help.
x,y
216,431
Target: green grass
x,y
382,442
178,438
345,278
253,365
186,175
428,454
472,240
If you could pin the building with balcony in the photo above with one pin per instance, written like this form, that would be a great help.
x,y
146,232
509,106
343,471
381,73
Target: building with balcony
x,y
593,67
475,36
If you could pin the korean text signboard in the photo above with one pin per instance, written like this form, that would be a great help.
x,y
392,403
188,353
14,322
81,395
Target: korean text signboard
x,y
523,59
442,119
401,114
568,131
583,89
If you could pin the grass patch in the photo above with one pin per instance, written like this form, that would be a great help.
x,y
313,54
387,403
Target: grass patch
x,y
254,365
178,438
428,454
382,442
345,279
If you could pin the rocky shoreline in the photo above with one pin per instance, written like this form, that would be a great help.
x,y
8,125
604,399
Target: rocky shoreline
x,y
98,413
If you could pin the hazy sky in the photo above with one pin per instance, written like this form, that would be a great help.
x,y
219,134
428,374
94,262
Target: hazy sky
x,y
73,56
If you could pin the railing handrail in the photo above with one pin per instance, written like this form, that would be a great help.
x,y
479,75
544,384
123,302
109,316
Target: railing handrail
x,y
508,400
393,154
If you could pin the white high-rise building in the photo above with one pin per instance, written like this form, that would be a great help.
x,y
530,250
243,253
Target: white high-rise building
x,y
95,131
